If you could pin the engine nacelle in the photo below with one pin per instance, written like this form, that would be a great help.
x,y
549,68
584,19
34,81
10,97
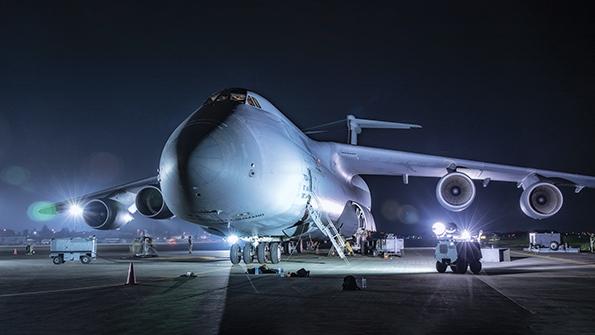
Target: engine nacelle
x,y
455,191
105,214
149,203
541,200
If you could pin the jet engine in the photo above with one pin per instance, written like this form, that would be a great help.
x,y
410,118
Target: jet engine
x,y
541,200
149,202
105,214
455,191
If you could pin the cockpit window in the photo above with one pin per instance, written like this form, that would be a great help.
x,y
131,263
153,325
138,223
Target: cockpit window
x,y
253,102
222,97
237,97
212,97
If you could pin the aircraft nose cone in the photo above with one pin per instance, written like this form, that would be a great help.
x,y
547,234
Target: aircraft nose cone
x,y
195,159
205,163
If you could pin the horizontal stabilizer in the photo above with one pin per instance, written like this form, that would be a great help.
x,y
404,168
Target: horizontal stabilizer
x,y
363,123
356,125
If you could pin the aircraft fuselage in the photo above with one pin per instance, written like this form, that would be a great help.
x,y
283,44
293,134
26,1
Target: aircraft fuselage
x,y
233,167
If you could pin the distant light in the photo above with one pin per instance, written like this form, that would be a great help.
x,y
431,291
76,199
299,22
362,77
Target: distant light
x,y
466,235
132,209
232,239
75,210
127,217
439,228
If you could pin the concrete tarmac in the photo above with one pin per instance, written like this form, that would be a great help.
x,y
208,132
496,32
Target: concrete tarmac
x,y
530,295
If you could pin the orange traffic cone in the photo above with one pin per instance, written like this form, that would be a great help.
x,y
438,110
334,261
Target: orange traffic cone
x,y
14,252
131,279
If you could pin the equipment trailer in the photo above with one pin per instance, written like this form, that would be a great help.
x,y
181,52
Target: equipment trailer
x,y
457,250
73,249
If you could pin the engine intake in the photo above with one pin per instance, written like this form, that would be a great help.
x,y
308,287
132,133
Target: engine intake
x,y
149,203
541,200
455,191
105,214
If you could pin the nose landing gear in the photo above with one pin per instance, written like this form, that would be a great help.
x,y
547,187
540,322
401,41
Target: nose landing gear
x,y
235,254
264,252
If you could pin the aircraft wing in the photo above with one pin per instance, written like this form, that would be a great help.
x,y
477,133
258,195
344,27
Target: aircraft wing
x,y
123,193
353,160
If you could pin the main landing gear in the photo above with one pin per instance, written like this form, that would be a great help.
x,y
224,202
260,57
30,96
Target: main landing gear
x,y
263,252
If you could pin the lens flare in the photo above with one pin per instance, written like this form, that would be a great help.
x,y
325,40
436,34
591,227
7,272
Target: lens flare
x,y
232,239
75,210
466,235
439,228
41,211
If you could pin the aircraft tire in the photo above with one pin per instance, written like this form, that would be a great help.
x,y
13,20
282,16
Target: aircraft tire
x,y
260,253
275,252
441,267
247,253
475,267
234,254
461,267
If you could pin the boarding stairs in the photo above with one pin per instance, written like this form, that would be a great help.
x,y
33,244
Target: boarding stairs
x,y
327,227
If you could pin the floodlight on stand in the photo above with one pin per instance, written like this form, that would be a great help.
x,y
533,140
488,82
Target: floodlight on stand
x,y
465,235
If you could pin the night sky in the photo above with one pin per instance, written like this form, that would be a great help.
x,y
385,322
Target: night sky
x,y
90,91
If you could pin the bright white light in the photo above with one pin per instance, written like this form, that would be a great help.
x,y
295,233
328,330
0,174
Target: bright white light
x,y
466,235
232,239
75,210
439,228
132,209
127,217
331,206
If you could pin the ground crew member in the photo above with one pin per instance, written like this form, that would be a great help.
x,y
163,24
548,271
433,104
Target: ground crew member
x,y
145,245
349,248
190,244
29,250
592,242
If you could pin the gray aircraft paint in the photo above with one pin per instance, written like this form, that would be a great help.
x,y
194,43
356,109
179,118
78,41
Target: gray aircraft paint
x,y
252,172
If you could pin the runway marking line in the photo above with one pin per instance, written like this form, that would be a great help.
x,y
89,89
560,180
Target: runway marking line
x,y
555,258
74,289
505,296
59,290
